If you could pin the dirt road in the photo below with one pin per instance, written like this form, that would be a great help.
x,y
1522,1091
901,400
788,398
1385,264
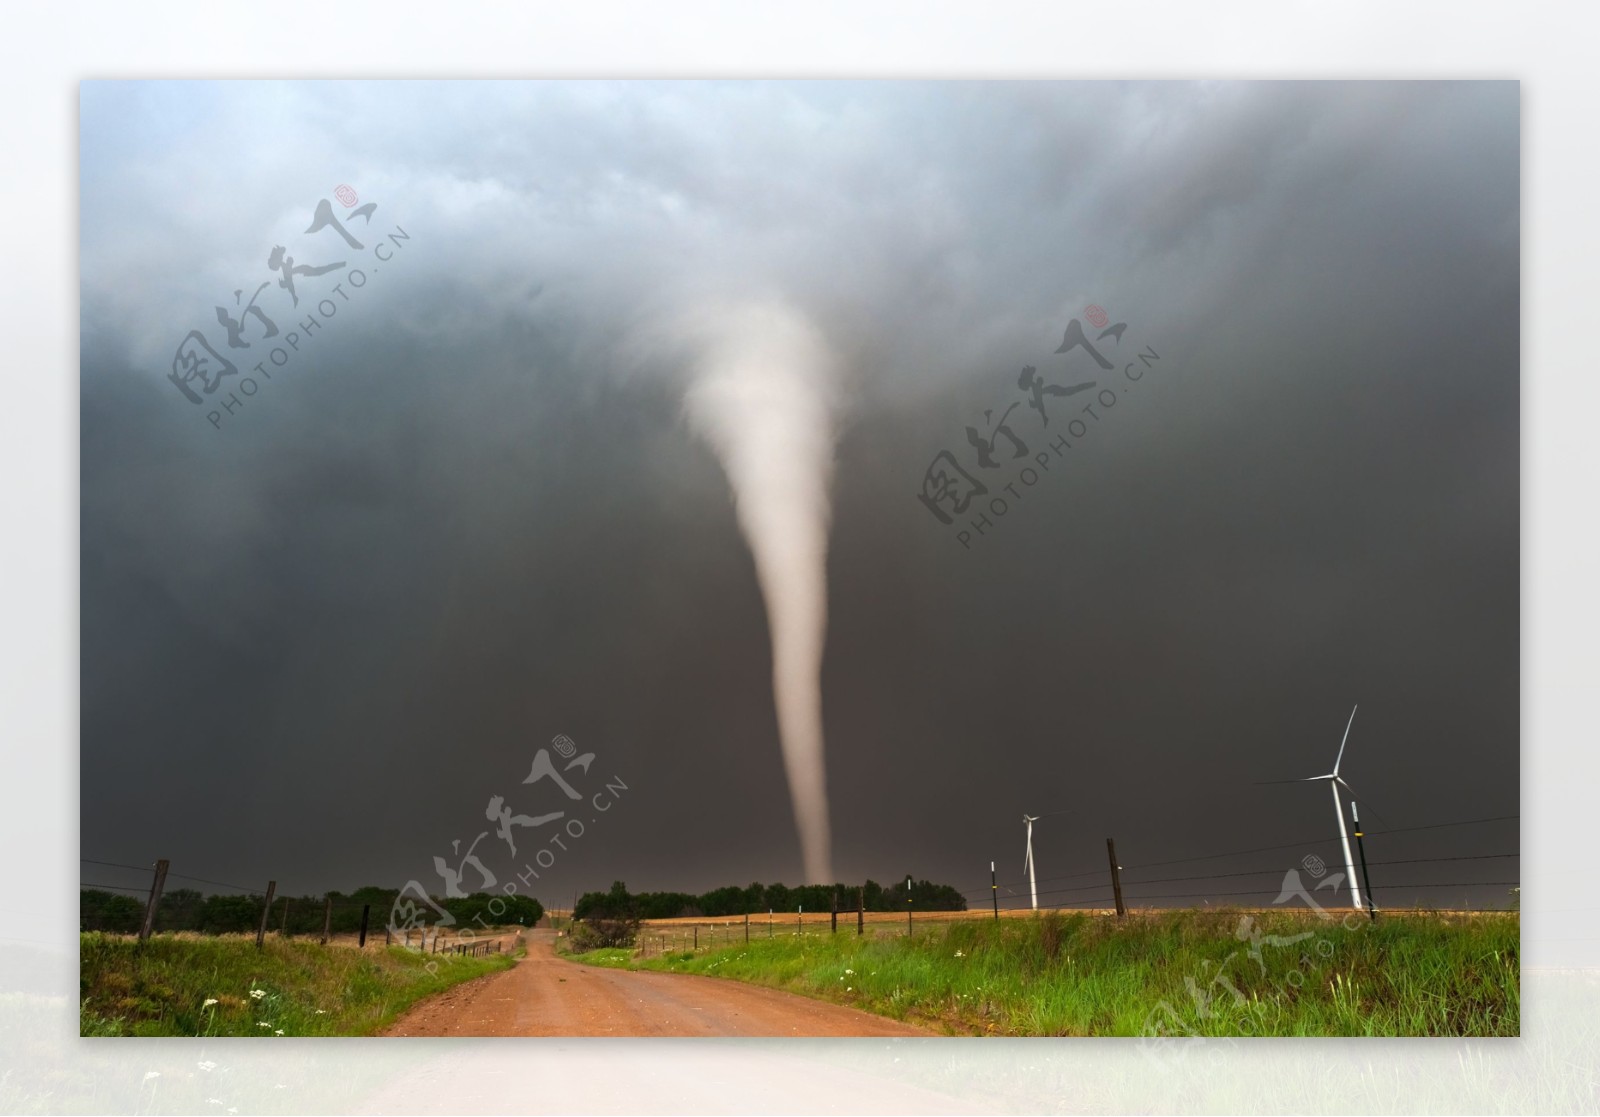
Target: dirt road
x,y
544,995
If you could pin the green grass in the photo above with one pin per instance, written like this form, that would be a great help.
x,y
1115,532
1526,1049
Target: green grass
x,y
1167,974
288,987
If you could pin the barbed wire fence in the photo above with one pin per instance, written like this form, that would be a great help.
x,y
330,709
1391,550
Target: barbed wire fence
x,y
1109,888
329,917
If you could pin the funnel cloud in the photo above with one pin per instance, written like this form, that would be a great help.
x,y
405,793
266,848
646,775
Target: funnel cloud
x,y
762,397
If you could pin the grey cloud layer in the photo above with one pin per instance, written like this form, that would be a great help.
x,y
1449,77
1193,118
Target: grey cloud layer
x,y
472,516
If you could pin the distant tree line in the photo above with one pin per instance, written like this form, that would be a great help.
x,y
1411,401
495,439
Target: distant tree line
x,y
619,903
186,909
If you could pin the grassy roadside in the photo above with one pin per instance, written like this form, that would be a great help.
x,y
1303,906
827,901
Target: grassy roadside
x,y
180,985
1167,974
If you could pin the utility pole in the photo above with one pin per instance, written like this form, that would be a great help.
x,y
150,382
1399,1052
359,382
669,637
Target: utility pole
x,y
1116,876
1372,904
994,892
266,910
157,883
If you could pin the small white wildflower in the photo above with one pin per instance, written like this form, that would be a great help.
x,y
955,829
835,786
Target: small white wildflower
x,y
149,1074
849,988
279,1032
321,1011
209,1002
263,1024
258,993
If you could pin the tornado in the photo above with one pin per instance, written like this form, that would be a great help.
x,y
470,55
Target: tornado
x,y
762,395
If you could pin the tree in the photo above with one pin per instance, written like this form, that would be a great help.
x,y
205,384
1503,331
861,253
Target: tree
x,y
179,910
484,909
107,911
221,915
609,919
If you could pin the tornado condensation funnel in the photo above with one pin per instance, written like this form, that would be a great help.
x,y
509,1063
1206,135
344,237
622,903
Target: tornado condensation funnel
x,y
762,396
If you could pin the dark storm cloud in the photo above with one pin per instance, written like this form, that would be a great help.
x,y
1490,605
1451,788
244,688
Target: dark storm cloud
x,y
469,517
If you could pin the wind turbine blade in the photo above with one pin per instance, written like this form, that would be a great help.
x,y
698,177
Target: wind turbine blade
x,y
1347,726
1371,810
1305,779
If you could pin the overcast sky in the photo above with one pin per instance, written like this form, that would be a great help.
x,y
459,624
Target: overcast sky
x,y
467,514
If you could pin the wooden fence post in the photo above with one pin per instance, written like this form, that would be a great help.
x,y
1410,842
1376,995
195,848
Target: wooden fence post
x,y
327,920
1116,876
366,910
266,910
157,882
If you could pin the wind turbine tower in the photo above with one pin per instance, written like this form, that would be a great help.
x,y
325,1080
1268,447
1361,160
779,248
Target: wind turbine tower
x,y
1033,886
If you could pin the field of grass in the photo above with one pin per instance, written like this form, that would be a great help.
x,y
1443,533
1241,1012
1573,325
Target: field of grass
x,y
1164,975
192,985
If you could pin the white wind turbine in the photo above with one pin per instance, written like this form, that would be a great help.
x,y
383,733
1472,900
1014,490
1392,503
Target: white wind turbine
x,y
1334,780
1033,887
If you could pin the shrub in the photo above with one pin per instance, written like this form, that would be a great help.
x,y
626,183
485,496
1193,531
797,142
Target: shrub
x,y
599,932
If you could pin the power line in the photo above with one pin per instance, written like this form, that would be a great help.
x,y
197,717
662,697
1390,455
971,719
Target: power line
x,y
1468,857
115,887
1180,861
1442,825
1042,880
218,883
1263,892
1265,872
180,876
1258,849
116,865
